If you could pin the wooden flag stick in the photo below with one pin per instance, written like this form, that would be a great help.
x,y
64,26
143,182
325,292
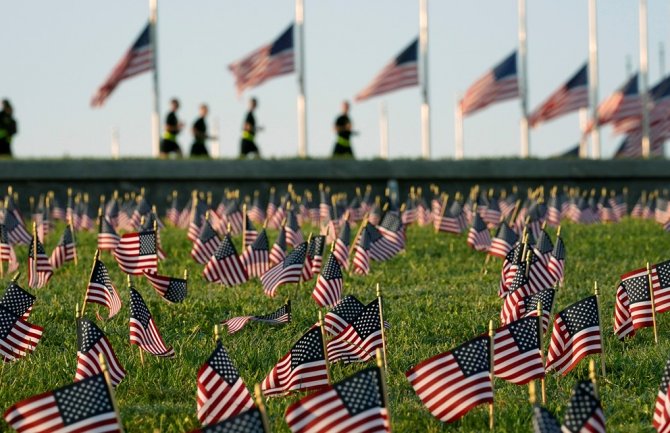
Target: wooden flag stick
x,y
76,311
653,303
74,241
244,225
16,276
602,341
385,395
492,353
358,232
96,256
33,265
130,284
110,389
593,376
261,407
532,396
216,333
323,342
442,211
381,324
542,382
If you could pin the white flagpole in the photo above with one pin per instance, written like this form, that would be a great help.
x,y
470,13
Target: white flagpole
x,y
216,143
661,58
523,81
583,141
116,145
459,151
383,132
593,78
644,75
423,56
300,61
155,116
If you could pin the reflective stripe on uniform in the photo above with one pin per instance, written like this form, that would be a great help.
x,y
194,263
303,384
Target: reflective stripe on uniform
x,y
343,141
247,135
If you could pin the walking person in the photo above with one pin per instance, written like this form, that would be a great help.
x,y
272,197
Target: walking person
x,y
200,137
8,128
343,130
173,127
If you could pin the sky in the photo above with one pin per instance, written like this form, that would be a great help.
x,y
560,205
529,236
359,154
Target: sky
x,y
54,59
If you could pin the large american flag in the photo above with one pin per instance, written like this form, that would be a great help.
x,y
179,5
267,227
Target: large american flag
x,y
517,357
91,343
143,330
139,58
279,317
576,334
108,239
66,250
571,96
83,406
271,60
359,340
171,289
225,265
221,391
662,406
256,257
101,291
286,272
584,412
452,383
328,288
499,84
402,71
137,252
357,404
39,267
303,367
623,104
17,300
17,337
633,307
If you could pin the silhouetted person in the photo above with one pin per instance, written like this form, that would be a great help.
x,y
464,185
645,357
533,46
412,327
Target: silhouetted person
x,y
7,128
343,130
200,137
249,129
172,128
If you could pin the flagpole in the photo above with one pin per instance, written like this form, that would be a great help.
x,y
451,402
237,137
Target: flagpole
x,y
423,56
300,60
523,81
325,347
583,141
458,131
653,303
602,341
644,77
381,324
540,315
155,116
383,132
491,372
593,78
110,388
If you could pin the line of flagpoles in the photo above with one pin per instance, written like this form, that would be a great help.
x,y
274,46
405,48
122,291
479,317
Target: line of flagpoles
x,y
589,118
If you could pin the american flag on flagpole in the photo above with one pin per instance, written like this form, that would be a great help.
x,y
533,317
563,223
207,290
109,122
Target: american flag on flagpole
x,y
137,252
279,317
139,58
7,253
359,340
571,96
225,265
633,308
91,342
452,383
286,272
401,72
624,103
66,250
479,238
17,300
39,268
108,239
328,288
256,258
341,247
17,337
101,291
172,289
221,391
517,357
499,84
278,251
361,259
143,330
205,244
268,61
16,230
302,368
84,406
503,241
357,404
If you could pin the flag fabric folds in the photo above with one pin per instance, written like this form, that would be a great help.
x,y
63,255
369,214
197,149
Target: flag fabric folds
x,y
286,272
137,252
279,317
499,84
100,289
91,343
143,330
17,337
571,96
401,72
172,289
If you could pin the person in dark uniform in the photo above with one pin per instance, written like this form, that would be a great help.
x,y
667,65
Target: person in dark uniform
x,y
7,128
343,130
172,127
199,129
248,142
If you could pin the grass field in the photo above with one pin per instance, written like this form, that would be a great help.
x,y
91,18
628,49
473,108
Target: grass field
x,y
435,298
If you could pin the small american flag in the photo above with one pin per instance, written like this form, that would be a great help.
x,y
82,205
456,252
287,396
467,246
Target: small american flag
x,y
294,236
83,406
66,250
571,96
499,84
344,313
328,289
256,213
7,253
633,309
279,317
401,72
256,258
101,291
357,404
206,244
269,61
341,248
660,282
221,391
286,272
172,289
39,268
393,230
503,241
91,342
143,330
517,354
452,383
17,337
17,300
576,334
172,212
361,259
278,251
225,265
662,407
325,209
313,258
250,231
139,58
544,421
303,367
381,249
519,289
584,412
359,340
556,264
137,252
108,239
543,247
250,421
479,238
16,230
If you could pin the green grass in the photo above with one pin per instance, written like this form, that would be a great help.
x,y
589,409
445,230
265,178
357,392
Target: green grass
x,y
435,298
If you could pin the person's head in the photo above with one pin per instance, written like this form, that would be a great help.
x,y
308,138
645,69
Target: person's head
x,y
174,104
345,107
203,110
253,103
7,106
